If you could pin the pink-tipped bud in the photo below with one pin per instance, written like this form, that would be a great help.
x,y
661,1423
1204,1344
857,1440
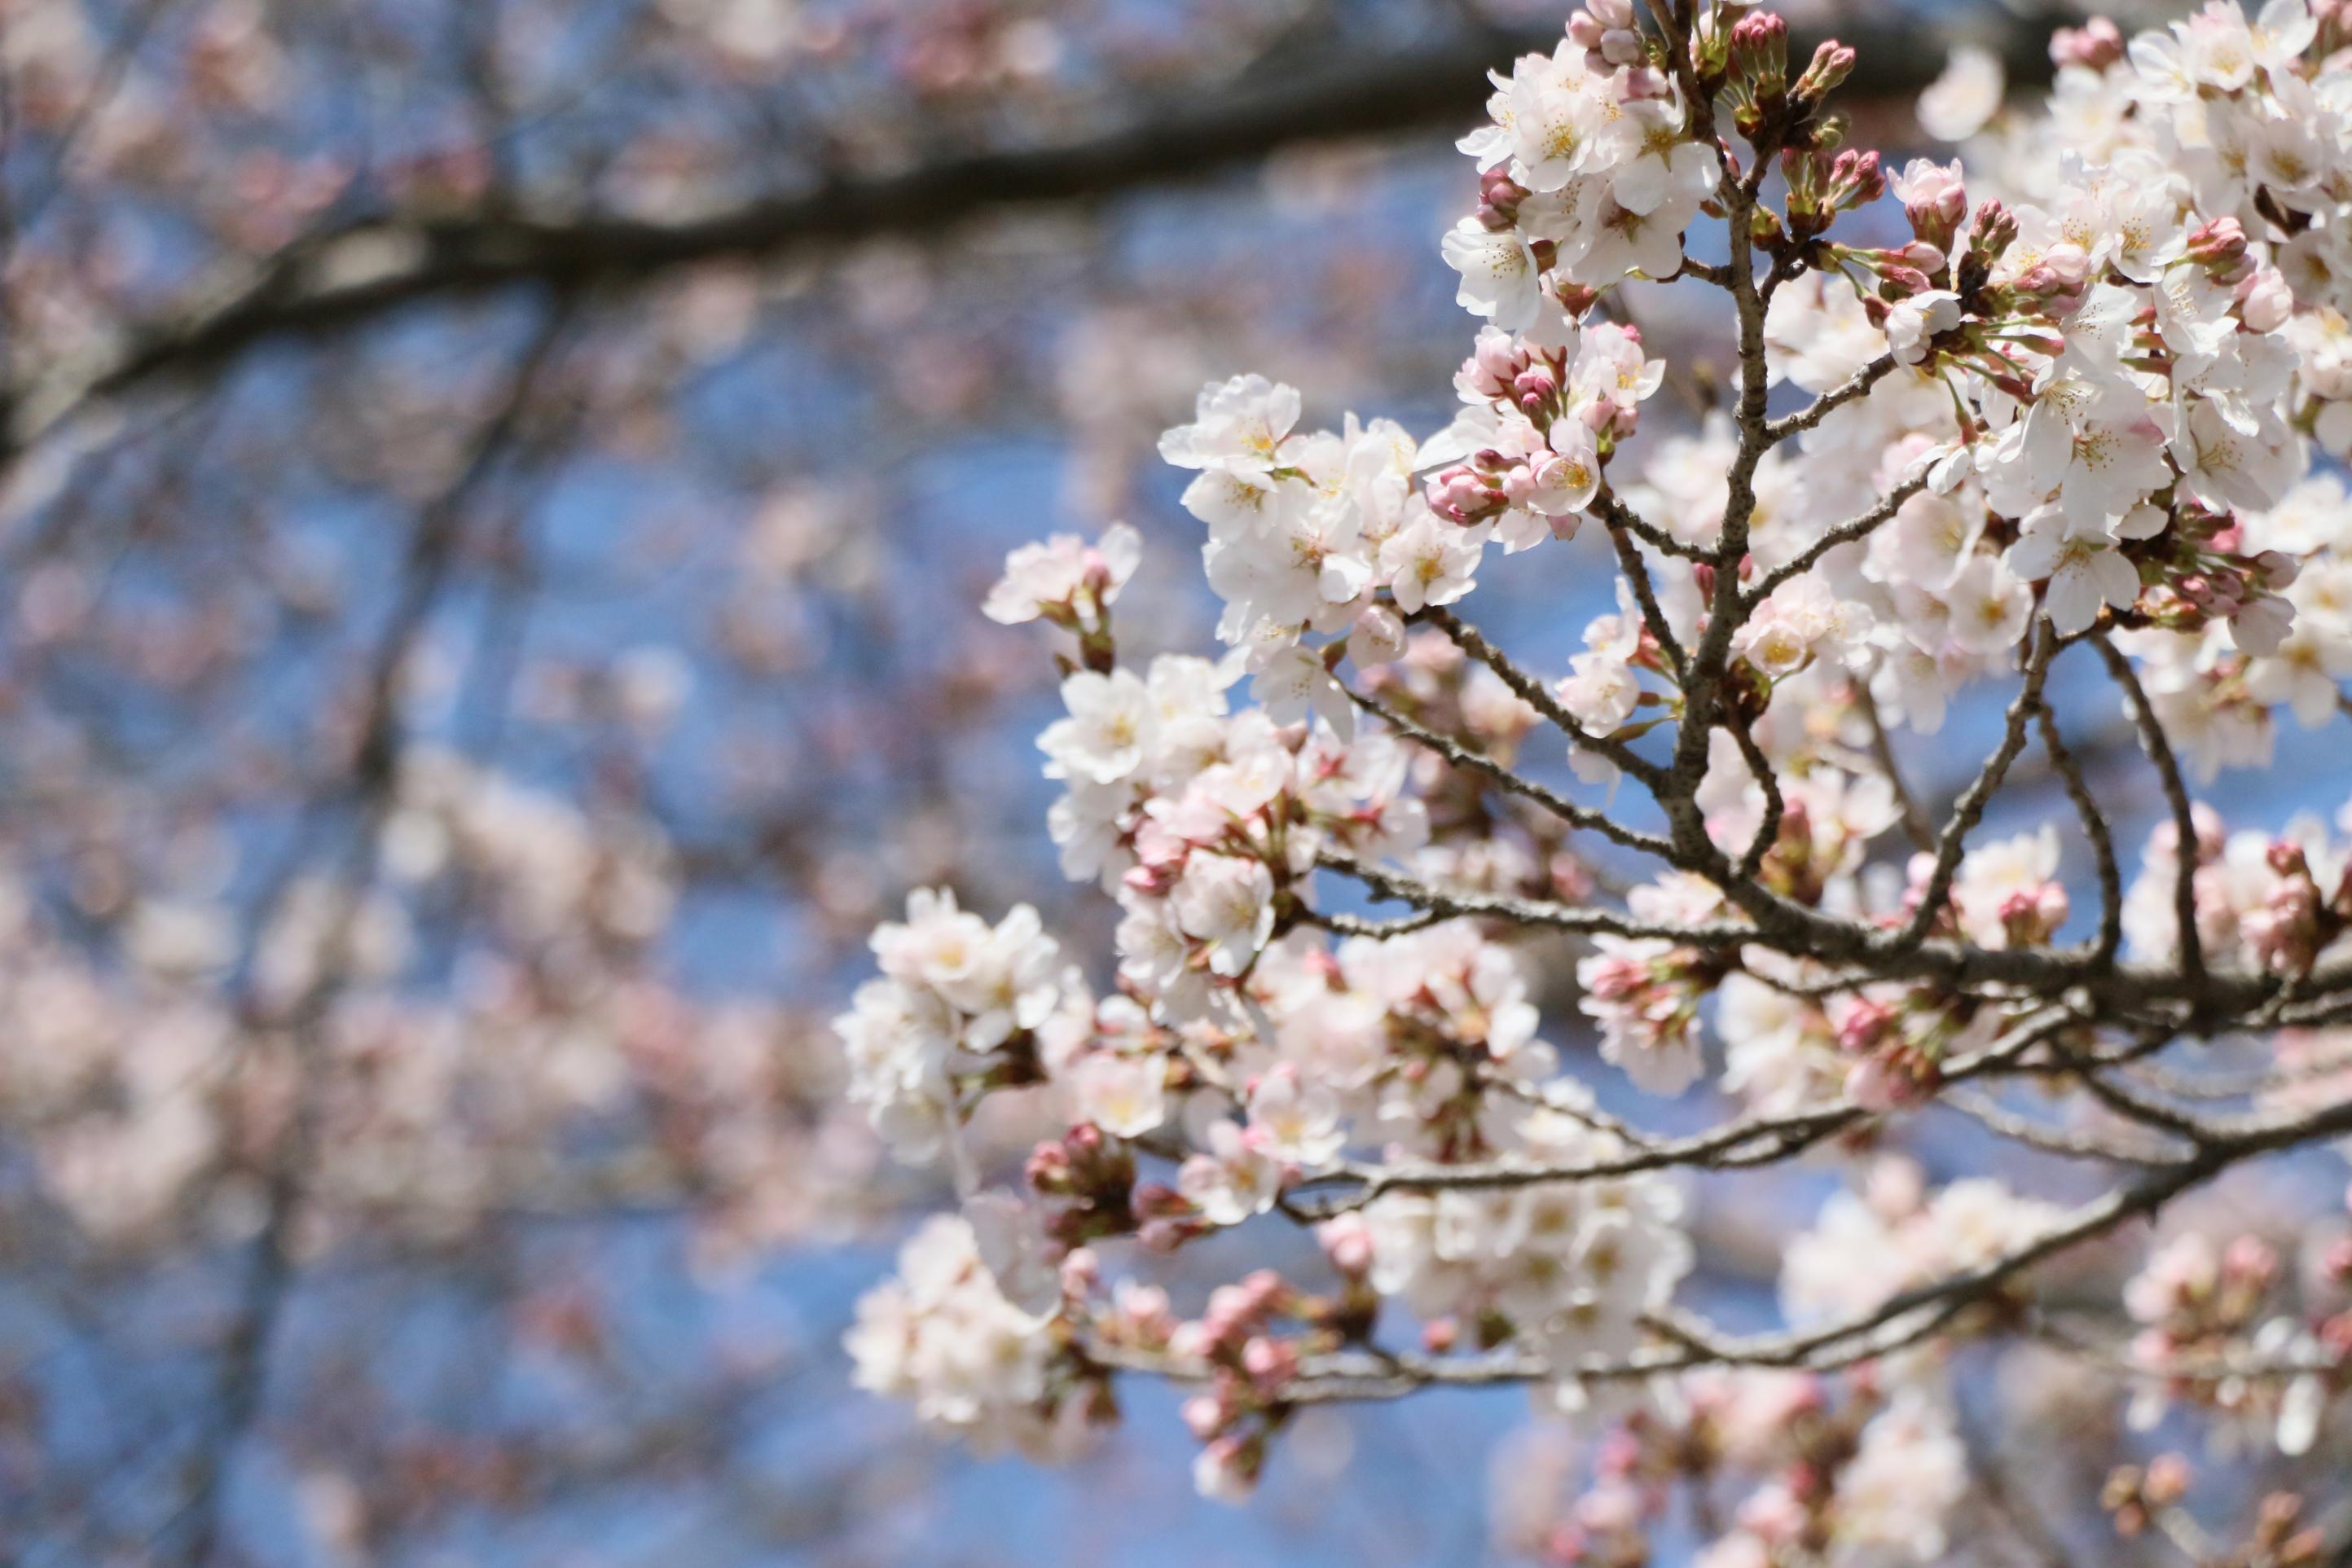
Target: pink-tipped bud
x,y
2217,242
1865,1024
1995,229
1205,1416
1346,1242
2094,46
1499,196
1832,63
1759,50
1496,362
1903,280
1151,880
2264,300
1859,178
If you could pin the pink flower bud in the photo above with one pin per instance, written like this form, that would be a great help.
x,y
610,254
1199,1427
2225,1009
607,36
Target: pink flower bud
x,y
1348,1242
2264,300
1904,280
1832,63
1205,1416
1497,360
1921,256
1048,1168
1270,1362
2094,46
1759,31
2217,243
1865,1024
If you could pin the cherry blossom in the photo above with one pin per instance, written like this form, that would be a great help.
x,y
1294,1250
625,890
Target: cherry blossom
x,y
2062,403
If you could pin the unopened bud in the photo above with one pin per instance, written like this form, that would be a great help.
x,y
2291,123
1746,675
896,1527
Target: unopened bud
x,y
1903,280
1760,51
1832,63
1575,298
1995,229
2216,242
2094,46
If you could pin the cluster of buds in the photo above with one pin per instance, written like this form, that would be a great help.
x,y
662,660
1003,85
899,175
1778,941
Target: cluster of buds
x,y
1237,1417
1477,491
1990,232
2032,916
1898,1053
2025,913
2288,929
1554,480
2134,1496
2198,574
1755,66
1646,996
2189,1296
1831,64
1823,185
1093,1178
1746,68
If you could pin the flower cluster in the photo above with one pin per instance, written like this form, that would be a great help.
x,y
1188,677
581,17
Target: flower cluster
x,y
2081,406
1590,174
959,998
1805,1467
2273,903
1574,1269
942,1333
1870,1247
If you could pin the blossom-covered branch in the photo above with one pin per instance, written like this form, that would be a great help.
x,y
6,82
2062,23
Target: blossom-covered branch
x,y
2093,405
